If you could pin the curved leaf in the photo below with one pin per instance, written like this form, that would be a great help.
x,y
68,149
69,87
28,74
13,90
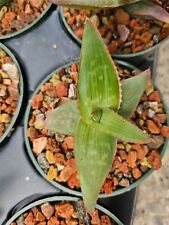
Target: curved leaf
x,y
115,125
98,85
132,89
64,119
92,4
93,153
148,8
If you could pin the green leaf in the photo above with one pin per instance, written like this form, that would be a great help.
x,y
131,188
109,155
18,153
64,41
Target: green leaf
x,y
93,153
92,4
64,119
132,90
98,85
148,8
3,2
113,124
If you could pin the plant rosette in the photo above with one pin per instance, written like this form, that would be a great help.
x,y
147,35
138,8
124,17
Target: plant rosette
x,y
11,91
62,210
126,35
52,154
17,16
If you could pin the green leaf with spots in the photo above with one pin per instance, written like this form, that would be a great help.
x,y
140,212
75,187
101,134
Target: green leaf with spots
x,y
114,124
132,90
148,8
93,153
64,119
98,85
92,4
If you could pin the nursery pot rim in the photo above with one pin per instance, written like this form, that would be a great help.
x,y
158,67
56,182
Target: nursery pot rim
x,y
60,198
120,56
64,187
21,89
27,27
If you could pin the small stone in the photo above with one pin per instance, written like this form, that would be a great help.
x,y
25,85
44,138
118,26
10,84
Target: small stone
x,y
29,220
136,173
50,157
152,127
139,109
124,182
5,118
36,3
3,90
42,161
151,113
132,157
39,145
52,173
60,167
165,131
39,121
145,163
72,91
12,70
47,210
154,97
127,147
69,141
64,210
154,160
20,220
62,90
122,17
120,146
39,217
59,137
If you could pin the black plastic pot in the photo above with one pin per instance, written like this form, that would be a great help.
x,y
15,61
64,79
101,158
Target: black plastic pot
x,y
134,58
9,128
2,37
65,188
59,199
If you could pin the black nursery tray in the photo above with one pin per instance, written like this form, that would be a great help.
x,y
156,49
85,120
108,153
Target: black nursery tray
x,y
39,52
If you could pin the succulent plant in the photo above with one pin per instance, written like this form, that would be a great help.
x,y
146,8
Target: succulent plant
x,y
100,115
134,7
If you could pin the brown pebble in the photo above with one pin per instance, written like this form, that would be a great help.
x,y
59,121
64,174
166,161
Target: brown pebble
x,y
47,210
152,127
136,173
165,131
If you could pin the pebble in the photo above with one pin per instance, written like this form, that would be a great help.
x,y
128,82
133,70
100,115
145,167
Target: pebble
x,y
124,182
39,145
44,164
152,127
72,91
47,210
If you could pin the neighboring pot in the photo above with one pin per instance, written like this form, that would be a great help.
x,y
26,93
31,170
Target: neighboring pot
x,y
134,58
20,98
30,25
59,185
55,199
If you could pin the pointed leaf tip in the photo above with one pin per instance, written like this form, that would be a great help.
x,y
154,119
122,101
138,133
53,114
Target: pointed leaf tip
x,y
132,90
98,85
113,124
64,119
148,8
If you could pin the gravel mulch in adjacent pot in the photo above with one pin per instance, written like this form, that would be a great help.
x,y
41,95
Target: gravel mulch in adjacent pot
x,y
11,91
19,15
122,33
62,211
53,155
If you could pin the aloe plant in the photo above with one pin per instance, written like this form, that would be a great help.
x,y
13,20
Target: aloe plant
x,y
100,115
134,7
